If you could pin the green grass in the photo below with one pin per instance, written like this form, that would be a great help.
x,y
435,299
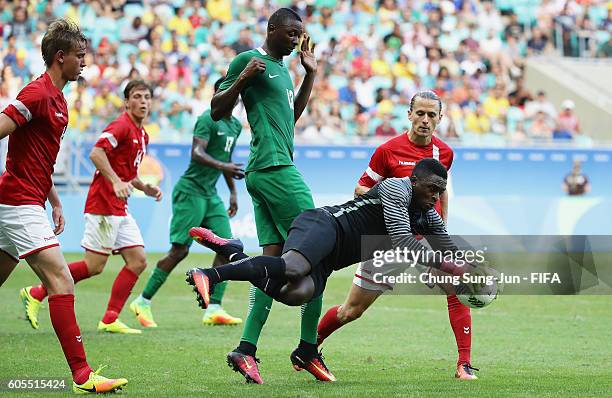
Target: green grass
x,y
530,346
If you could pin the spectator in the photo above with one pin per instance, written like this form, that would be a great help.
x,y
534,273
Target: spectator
x,y
20,26
541,127
568,125
134,32
180,24
540,104
496,105
576,183
476,121
521,94
538,42
514,28
20,69
385,129
244,42
220,10
489,18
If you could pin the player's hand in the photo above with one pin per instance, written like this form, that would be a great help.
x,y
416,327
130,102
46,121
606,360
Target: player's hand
x,y
123,190
153,192
233,205
255,66
234,169
58,220
309,62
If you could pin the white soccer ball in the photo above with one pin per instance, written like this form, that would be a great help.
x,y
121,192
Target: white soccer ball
x,y
482,297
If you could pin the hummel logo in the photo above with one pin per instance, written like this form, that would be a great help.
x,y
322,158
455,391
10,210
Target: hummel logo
x,y
466,329
135,141
272,76
406,163
50,238
221,133
59,114
79,339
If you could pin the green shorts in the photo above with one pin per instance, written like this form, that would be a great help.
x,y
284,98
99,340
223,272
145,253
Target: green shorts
x,y
197,211
279,194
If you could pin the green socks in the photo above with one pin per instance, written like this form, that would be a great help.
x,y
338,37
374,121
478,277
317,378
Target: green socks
x,y
311,312
259,309
217,295
157,278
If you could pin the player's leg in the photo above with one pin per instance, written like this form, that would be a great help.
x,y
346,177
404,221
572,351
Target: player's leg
x,y
130,245
242,359
460,318
141,305
187,211
287,196
7,265
217,220
362,295
51,268
356,303
97,239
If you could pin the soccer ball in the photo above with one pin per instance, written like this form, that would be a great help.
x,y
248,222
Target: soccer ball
x,y
482,297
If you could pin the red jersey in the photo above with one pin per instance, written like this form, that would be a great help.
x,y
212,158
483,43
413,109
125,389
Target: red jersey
x,y
125,146
41,114
398,156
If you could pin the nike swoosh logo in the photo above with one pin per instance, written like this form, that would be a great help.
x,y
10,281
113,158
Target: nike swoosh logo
x,y
246,363
93,389
272,76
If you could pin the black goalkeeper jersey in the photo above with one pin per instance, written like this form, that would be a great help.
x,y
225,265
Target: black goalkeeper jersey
x,y
385,210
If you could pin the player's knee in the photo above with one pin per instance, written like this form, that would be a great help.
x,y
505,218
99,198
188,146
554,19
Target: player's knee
x,y
95,269
294,273
294,298
348,313
137,265
178,253
62,283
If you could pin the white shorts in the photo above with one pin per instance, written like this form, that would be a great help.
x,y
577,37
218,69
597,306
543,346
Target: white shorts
x,y
367,274
110,234
25,230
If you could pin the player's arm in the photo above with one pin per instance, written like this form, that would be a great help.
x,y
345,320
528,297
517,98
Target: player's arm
x,y
361,189
233,201
372,175
7,125
57,213
199,155
309,62
100,160
148,189
236,80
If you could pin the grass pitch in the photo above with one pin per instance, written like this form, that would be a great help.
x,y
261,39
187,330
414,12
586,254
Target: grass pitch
x,y
525,346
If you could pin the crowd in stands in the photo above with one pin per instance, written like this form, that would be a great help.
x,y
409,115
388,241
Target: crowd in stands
x,y
373,56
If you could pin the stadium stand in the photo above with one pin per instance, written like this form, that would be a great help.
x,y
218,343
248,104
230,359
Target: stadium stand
x,y
372,57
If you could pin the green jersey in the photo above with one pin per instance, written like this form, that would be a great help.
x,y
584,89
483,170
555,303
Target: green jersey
x,y
268,99
221,137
